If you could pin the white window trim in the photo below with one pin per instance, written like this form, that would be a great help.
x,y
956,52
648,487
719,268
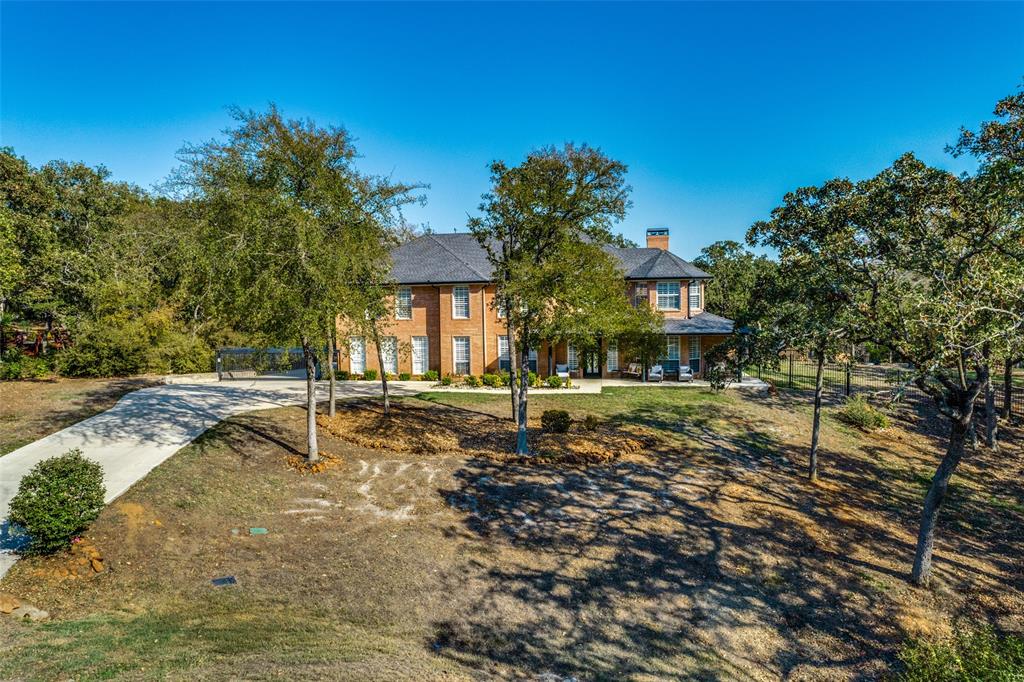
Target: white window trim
x,y
506,355
678,295
572,358
455,313
612,355
455,354
399,315
695,348
695,292
670,343
352,356
390,353
426,355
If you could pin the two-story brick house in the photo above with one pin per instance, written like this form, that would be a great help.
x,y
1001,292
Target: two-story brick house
x,y
445,319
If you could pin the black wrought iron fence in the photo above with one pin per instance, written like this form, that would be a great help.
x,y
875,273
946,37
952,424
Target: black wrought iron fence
x,y
243,363
882,381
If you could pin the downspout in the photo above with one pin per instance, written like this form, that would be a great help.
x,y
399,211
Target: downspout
x,y
483,325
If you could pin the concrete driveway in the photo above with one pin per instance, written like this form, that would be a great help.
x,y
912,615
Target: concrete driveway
x,y
147,426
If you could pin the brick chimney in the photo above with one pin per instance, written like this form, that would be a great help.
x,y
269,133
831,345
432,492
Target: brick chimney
x,y
657,238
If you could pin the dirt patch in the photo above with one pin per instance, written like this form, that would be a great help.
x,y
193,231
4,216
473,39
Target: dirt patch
x,y
299,463
438,430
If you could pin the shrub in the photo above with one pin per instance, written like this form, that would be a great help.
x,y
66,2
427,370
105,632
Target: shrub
x,y
590,422
504,378
370,375
447,380
555,421
404,376
491,380
16,365
430,375
862,414
342,375
472,380
554,381
980,655
390,376
534,380
57,500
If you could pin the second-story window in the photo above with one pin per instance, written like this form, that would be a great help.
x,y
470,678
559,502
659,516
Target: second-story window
x,y
668,295
639,294
460,303
403,304
695,303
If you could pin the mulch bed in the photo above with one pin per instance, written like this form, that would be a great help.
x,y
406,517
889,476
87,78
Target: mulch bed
x,y
437,430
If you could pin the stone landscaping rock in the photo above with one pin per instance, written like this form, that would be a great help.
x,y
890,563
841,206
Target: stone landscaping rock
x,y
30,612
8,602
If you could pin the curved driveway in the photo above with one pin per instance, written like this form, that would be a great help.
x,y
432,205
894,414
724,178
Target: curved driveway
x,y
147,426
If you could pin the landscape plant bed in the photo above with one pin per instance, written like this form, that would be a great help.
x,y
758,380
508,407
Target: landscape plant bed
x,y
425,429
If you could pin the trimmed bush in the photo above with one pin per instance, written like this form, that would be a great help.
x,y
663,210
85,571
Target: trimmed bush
x,y
57,500
555,421
472,380
430,375
504,378
370,375
862,414
447,380
342,375
491,380
404,376
554,381
980,655
534,380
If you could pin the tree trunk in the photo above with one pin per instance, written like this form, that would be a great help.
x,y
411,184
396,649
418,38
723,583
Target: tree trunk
x,y
312,451
332,390
383,374
989,390
1007,388
513,379
812,465
524,384
921,573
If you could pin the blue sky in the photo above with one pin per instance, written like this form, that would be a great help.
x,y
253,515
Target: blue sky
x,y
717,109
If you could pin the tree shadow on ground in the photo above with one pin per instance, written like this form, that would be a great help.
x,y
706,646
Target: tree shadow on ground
x,y
712,560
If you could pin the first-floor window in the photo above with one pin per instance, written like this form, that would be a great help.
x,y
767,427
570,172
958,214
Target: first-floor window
x,y
695,354
460,349
613,355
420,354
357,355
389,349
504,360
672,348
574,360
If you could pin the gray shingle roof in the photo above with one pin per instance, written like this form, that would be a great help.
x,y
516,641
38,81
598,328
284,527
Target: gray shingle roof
x,y
702,323
459,258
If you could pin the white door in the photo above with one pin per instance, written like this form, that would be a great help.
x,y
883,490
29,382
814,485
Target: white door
x,y
357,355
420,354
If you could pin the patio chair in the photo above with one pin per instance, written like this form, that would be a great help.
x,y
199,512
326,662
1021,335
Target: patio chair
x,y
685,373
632,370
656,373
562,371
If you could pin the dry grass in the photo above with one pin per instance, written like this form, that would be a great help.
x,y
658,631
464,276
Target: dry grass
x,y
30,410
702,555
